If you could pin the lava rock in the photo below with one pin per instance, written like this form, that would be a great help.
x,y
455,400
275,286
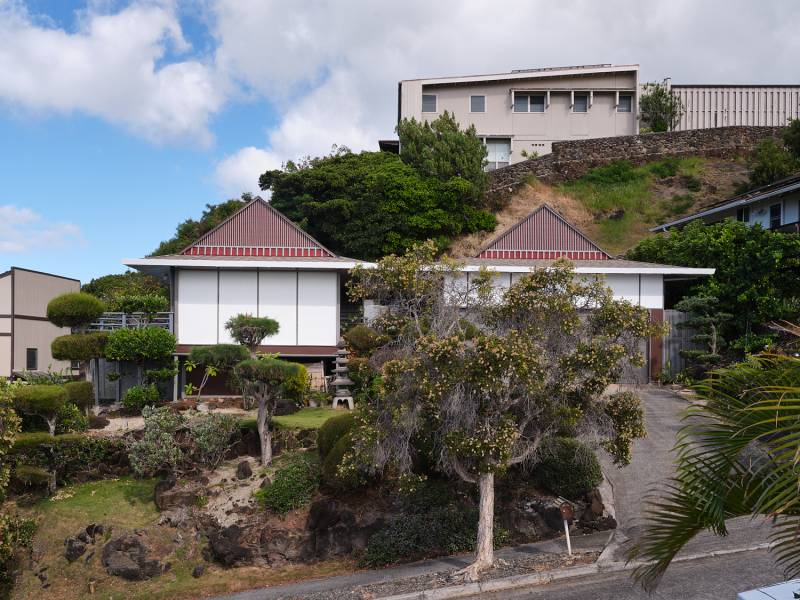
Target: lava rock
x,y
198,571
95,529
126,557
243,470
74,548
227,546
162,487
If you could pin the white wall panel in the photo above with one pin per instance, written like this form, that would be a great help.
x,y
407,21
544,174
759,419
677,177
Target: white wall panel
x,y
5,356
238,294
277,299
652,291
624,287
316,311
197,307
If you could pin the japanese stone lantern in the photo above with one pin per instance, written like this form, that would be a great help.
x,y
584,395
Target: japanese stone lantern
x,y
341,381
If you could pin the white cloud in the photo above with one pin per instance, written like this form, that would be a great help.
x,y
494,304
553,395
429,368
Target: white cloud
x,y
110,68
239,172
22,230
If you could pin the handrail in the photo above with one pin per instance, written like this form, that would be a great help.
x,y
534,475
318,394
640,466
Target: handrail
x,y
110,321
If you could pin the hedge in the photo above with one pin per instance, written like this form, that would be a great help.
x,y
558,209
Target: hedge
x,y
330,467
43,400
569,468
80,393
79,346
293,484
139,345
332,431
77,309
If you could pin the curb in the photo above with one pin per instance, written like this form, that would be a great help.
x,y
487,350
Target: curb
x,y
545,577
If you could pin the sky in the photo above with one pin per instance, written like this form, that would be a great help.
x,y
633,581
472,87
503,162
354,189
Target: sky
x,y
119,119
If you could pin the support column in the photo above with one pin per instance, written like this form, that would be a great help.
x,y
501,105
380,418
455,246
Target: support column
x,y
656,346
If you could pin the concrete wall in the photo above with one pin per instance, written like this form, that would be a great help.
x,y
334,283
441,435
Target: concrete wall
x,y
305,304
722,106
530,132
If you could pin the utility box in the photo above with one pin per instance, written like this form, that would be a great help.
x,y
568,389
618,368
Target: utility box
x,y
789,590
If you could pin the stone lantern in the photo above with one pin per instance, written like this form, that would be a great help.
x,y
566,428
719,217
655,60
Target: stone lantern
x,y
341,381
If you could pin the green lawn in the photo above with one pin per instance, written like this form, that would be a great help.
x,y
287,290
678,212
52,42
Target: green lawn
x,y
307,418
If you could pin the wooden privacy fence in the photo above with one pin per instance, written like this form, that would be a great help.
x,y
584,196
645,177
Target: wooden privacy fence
x,y
676,340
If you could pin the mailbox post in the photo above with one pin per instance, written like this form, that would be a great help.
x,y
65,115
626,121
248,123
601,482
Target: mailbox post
x,y
567,513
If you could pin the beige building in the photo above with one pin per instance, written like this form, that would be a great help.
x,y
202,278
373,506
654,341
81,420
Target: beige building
x,y
520,114
25,332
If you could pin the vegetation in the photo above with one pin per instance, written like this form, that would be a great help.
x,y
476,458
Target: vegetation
x,y
212,436
370,204
222,356
769,162
250,331
82,347
706,320
661,110
148,303
140,346
306,418
80,393
487,397
158,448
755,279
292,485
45,401
77,310
137,397
737,455
71,419
9,428
569,468
791,137
189,231
130,283
332,431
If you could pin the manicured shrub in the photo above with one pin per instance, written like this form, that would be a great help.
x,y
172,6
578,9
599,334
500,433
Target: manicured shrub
x,y
139,345
250,331
139,396
330,467
442,530
222,356
569,468
363,340
296,384
141,303
41,400
31,476
157,449
332,431
77,309
293,484
80,393
31,439
71,419
212,436
79,346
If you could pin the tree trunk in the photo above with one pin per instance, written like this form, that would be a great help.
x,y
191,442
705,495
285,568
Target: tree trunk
x,y
484,551
264,436
51,424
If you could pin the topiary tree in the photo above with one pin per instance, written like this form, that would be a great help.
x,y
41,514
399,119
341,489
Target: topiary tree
x,y
249,331
77,310
214,359
81,394
81,347
660,109
147,304
41,400
263,379
705,319
140,346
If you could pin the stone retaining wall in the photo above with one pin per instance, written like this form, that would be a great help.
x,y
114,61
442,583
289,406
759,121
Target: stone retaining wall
x,y
572,159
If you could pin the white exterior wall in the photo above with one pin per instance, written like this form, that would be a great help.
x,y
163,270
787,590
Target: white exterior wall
x,y
305,304
722,106
759,211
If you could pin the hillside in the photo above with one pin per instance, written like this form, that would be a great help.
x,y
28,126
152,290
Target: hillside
x,y
616,204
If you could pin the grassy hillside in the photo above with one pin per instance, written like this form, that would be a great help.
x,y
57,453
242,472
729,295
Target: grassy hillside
x,y
617,204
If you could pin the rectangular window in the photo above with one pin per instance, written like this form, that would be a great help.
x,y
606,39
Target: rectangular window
x,y
537,103
429,103
32,359
743,214
477,104
581,103
520,103
625,103
498,153
775,216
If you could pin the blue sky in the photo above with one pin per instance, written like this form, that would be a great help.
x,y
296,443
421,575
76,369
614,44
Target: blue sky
x,y
119,119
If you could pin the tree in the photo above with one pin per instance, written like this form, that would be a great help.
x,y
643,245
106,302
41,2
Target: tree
x,y
214,359
486,380
77,310
130,283
9,428
371,204
756,273
770,162
791,137
190,231
661,110
263,379
250,331
142,345
440,149
737,455
43,401
706,320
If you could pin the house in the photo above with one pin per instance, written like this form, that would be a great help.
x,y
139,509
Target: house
x,y
521,113
543,237
25,332
774,206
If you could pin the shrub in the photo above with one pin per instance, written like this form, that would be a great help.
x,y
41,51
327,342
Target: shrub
x,y
31,476
15,533
71,419
330,467
139,345
148,303
791,137
439,531
569,468
79,346
293,484
158,448
32,439
692,183
41,400
80,393
364,340
77,309
139,396
212,436
770,161
667,167
250,331
332,431
222,356
619,171
295,386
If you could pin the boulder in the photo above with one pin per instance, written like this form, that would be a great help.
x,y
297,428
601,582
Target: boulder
x,y
198,571
127,557
285,407
227,546
243,470
278,544
168,494
74,548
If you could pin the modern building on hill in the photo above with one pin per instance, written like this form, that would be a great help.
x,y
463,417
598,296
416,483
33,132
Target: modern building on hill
x,y
25,332
774,206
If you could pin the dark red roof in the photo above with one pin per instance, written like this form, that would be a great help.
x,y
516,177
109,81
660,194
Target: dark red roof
x,y
257,230
543,234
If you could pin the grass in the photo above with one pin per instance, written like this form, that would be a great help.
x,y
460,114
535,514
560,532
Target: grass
x,y
622,197
306,418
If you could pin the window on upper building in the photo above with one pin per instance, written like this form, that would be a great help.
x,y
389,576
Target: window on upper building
x,y
534,103
625,103
429,103
743,214
774,216
498,153
537,103
520,103
31,359
477,104
581,103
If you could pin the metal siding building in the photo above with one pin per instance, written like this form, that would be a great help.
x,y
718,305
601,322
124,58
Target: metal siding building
x,y
708,106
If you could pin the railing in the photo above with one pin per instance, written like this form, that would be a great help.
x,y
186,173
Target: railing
x,y
117,320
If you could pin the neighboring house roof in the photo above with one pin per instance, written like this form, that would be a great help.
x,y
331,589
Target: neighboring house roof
x,y
778,188
600,267
546,72
543,234
257,230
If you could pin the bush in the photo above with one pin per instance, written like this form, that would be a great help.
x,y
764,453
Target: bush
x,y
667,167
158,448
32,439
80,393
569,468
139,345
141,303
791,137
79,346
212,436
77,309
15,533
330,467
332,431
71,419
41,400
619,171
293,484
295,386
769,162
31,476
442,530
139,396
222,356
364,340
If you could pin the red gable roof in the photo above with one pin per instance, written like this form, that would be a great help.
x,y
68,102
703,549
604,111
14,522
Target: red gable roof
x,y
543,234
257,230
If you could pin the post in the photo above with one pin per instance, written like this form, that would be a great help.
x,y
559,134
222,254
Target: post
x,y
567,513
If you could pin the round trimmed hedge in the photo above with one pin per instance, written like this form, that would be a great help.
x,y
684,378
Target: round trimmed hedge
x,y
569,468
139,345
332,431
76,309
79,346
40,399
80,393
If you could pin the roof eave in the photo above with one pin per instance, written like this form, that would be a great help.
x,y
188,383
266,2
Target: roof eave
x,y
524,75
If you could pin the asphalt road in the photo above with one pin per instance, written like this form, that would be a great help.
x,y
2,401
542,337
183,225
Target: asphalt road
x,y
719,578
